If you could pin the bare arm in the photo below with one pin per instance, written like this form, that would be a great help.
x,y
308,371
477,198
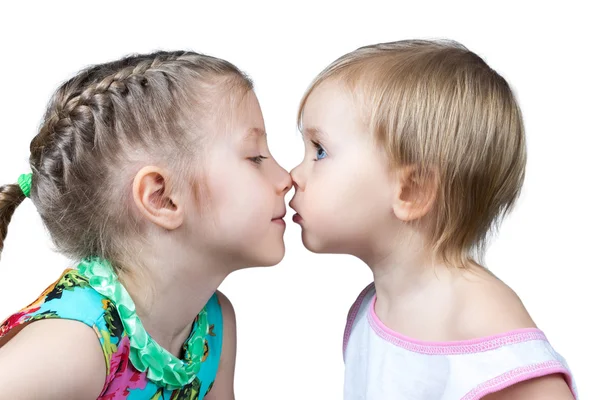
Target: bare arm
x,y
52,359
223,386
551,387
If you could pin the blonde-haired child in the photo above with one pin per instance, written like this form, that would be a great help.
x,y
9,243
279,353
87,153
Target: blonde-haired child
x,y
415,150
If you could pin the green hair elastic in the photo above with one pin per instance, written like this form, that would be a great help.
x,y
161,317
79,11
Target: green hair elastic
x,y
25,184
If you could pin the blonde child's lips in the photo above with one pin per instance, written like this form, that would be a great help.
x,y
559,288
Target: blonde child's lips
x,y
297,218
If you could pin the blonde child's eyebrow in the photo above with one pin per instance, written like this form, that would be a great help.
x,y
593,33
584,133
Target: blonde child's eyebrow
x,y
312,133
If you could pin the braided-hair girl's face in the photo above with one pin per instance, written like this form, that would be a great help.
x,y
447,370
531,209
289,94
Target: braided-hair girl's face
x,y
246,188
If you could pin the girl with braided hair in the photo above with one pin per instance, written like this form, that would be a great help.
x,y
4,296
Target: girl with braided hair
x,y
153,174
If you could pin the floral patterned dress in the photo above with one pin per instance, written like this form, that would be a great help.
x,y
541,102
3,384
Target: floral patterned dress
x,y
71,297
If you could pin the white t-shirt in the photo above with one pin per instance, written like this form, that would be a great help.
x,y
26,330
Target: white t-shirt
x,y
384,365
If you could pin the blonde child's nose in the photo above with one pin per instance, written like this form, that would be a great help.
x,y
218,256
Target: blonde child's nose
x,y
296,176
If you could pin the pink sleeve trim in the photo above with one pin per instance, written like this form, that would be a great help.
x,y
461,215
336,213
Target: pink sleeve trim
x,y
518,375
352,316
454,347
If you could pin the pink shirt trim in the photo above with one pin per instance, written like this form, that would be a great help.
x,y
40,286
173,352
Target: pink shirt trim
x,y
455,347
477,345
519,375
352,316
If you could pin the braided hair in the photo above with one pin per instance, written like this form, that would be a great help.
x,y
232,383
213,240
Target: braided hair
x,y
105,117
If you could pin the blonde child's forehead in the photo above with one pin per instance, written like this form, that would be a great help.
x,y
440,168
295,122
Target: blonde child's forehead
x,y
329,94
334,115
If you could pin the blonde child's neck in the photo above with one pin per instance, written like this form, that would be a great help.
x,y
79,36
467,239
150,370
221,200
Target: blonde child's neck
x,y
406,274
426,299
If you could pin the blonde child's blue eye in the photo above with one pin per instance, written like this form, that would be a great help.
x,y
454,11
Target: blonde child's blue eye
x,y
321,153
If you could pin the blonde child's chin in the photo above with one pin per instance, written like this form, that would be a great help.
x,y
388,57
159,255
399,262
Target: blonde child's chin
x,y
327,242
314,243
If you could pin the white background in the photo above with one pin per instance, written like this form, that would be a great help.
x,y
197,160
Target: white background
x,y
291,317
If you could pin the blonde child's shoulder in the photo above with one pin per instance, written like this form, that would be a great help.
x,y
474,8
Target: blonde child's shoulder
x,y
487,306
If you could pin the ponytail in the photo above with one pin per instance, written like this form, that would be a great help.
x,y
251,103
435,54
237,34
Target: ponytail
x,y
10,198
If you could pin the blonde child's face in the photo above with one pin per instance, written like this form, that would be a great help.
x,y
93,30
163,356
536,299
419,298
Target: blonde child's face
x,y
243,219
343,190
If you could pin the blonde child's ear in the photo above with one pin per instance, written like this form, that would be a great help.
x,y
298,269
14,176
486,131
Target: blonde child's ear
x,y
416,193
155,199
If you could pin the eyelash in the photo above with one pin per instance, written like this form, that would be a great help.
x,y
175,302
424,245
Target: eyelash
x,y
258,159
318,147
